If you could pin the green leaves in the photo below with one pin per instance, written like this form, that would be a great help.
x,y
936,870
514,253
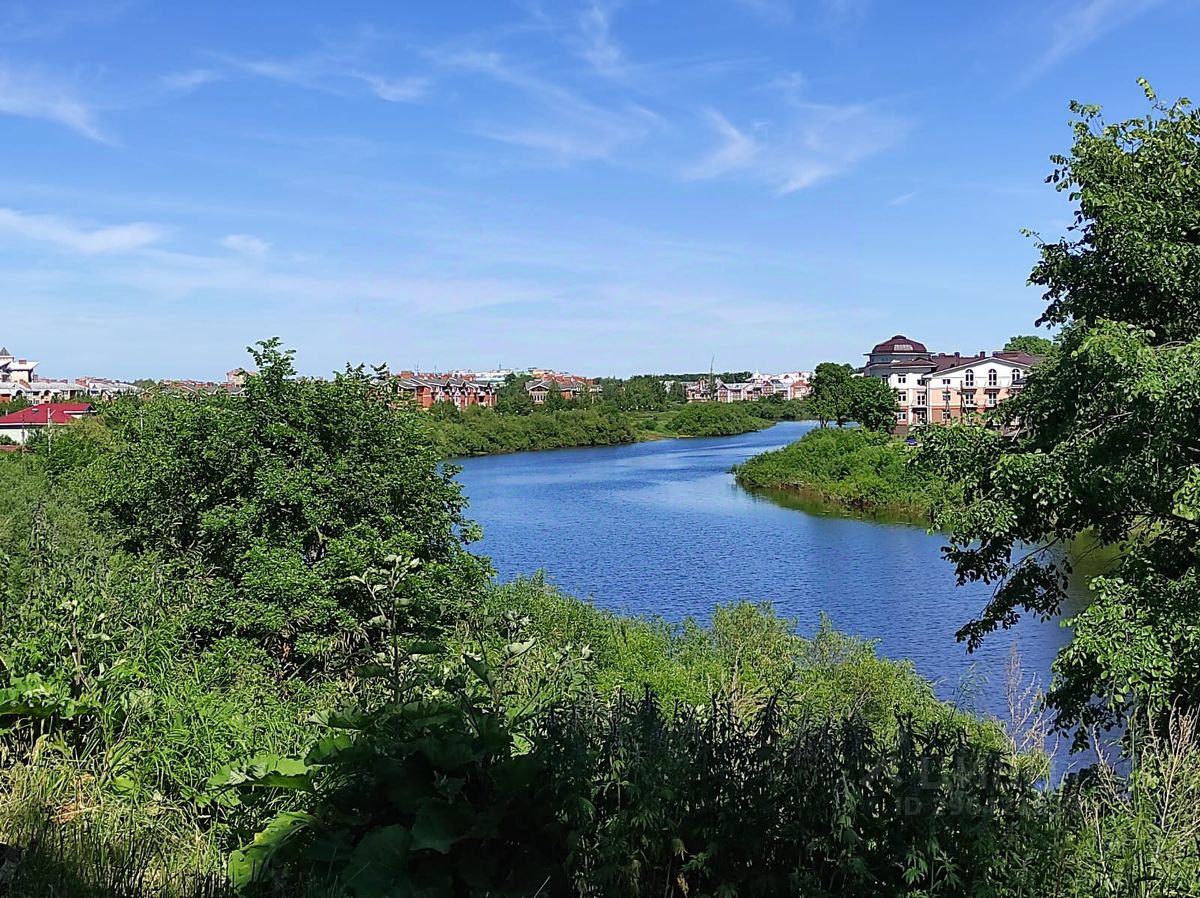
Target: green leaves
x,y
253,863
1187,497
378,868
439,825
265,772
276,500
1107,444
31,696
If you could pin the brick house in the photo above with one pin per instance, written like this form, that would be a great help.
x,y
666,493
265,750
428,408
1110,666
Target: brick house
x,y
462,392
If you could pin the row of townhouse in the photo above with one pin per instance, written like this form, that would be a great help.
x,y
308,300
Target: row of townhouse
x,y
942,388
426,389
791,385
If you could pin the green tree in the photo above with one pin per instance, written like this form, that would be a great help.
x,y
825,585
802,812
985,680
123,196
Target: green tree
x,y
555,402
872,404
268,503
1030,343
833,392
515,403
1107,429
445,410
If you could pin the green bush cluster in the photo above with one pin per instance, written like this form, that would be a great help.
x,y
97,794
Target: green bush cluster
x,y
853,468
714,419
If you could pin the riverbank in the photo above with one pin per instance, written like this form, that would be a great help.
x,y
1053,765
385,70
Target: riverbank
x,y
851,469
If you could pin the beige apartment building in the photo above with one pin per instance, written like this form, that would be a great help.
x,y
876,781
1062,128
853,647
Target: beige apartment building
x,y
941,388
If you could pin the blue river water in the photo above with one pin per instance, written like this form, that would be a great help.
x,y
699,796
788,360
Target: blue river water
x,y
662,528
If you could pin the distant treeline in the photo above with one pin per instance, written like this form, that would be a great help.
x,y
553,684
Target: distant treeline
x,y
481,431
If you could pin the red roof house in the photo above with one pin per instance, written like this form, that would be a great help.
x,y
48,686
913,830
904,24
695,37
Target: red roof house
x,y
17,426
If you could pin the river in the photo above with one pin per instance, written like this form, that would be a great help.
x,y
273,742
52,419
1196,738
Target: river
x,y
662,528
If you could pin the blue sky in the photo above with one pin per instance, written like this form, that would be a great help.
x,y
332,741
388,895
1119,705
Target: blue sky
x,y
592,185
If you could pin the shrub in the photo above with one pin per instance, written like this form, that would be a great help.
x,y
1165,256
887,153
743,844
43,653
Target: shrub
x,y
853,468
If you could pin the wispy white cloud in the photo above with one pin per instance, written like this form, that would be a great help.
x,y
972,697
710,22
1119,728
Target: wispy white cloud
x,y
817,142
902,198
63,233
737,150
334,69
21,22
845,10
1076,25
774,11
401,90
565,125
183,82
246,245
781,12
599,47
30,95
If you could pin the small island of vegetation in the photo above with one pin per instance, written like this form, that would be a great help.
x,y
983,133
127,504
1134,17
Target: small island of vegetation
x,y
851,468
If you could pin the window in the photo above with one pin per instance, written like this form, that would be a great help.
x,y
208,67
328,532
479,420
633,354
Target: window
x,y
901,416
945,396
901,378
991,400
945,414
969,379
993,377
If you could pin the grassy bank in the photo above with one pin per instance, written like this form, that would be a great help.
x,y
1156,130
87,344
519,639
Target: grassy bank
x,y
849,468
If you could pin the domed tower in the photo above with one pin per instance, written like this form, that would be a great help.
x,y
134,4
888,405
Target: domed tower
x,y
896,349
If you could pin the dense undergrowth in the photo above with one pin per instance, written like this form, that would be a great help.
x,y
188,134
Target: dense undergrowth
x,y
853,468
245,648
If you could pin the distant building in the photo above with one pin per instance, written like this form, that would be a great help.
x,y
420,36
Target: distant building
x,y
19,381
571,387
790,385
943,388
19,425
425,390
102,388
14,370
200,387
